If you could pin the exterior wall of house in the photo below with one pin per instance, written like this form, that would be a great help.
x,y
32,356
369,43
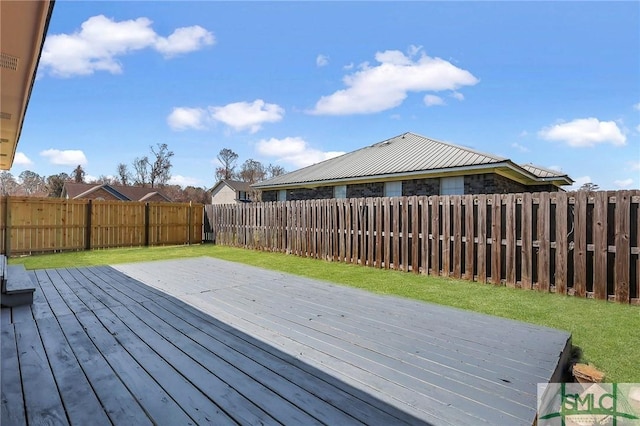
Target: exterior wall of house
x,y
487,183
156,198
100,194
224,195
421,187
364,190
319,193
269,196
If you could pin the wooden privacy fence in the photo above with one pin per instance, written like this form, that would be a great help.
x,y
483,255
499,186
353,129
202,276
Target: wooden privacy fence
x,y
582,243
38,225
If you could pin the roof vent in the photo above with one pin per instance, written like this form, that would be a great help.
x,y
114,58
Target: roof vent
x,y
5,116
8,62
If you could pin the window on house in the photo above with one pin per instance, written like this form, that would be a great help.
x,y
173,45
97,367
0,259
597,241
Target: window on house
x,y
340,191
393,189
452,185
242,195
282,195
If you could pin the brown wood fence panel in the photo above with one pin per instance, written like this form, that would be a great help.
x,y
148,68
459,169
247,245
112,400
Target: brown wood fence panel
x,y
39,225
583,244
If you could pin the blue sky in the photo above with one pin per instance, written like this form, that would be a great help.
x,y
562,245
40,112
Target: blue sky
x,y
556,84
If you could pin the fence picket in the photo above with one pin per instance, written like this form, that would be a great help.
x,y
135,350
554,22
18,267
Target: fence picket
x,y
622,241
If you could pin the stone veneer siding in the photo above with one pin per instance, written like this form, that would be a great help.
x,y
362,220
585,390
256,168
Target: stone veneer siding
x,y
487,183
364,190
421,187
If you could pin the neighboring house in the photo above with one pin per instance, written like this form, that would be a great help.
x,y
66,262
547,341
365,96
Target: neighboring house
x,y
410,164
105,191
230,192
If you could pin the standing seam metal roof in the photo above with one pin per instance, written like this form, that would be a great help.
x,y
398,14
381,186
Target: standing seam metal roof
x,y
404,153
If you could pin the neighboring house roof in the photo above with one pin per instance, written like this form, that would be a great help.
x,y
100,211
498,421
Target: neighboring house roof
x,y
236,185
74,190
405,156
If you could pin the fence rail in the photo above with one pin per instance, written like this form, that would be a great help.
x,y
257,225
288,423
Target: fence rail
x,y
38,225
583,243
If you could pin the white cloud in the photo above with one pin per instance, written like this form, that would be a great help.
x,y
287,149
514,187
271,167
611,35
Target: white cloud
x,y
322,60
293,150
638,128
247,116
585,132
182,118
431,100
635,165
184,40
100,41
349,67
69,157
625,183
21,160
578,182
519,147
184,181
378,88
637,106
457,95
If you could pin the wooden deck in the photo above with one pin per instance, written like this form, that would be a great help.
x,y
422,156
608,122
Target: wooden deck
x,y
203,341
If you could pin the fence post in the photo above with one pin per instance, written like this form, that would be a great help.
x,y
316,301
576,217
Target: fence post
x,y
146,224
189,224
87,233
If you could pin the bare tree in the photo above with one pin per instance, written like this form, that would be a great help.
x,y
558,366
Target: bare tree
x,y
252,171
160,171
78,174
274,170
8,184
124,174
141,170
227,159
589,186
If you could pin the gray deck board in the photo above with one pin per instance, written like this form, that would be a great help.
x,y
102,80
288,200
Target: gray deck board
x,y
11,386
419,356
201,341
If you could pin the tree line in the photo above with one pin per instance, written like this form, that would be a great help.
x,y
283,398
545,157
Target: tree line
x,y
251,171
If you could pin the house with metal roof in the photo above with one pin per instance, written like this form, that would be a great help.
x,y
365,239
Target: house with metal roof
x,y
229,191
410,164
108,192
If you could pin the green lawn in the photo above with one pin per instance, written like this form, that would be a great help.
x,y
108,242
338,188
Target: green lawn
x,y
608,333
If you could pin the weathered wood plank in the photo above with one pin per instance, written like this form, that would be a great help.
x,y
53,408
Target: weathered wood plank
x,y
396,211
526,251
544,242
446,235
600,245
456,201
482,238
81,404
510,236
424,238
580,244
435,234
496,239
415,235
623,243
10,386
155,399
41,397
387,232
561,236
379,232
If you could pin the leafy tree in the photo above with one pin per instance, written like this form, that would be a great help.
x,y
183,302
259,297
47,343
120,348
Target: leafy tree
x,y
78,174
32,184
589,186
252,171
228,159
160,169
55,184
8,184
141,171
124,174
